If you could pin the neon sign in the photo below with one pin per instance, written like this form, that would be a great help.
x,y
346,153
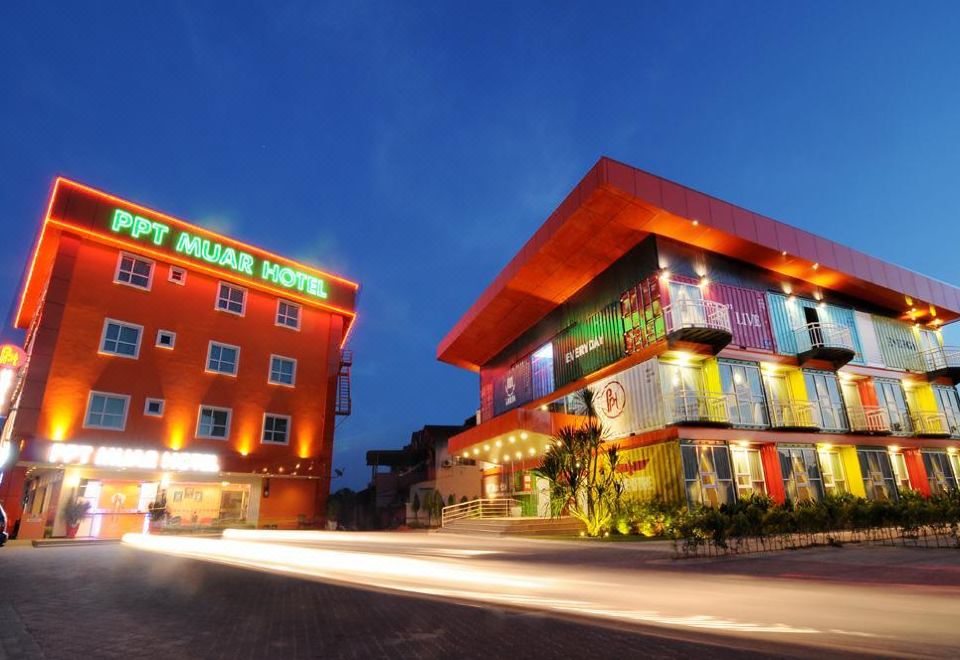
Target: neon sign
x,y
11,356
126,457
216,253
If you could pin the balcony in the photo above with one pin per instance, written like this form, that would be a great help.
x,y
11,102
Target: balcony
x,y
700,408
824,341
748,412
942,361
698,322
873,420
930,424
794,415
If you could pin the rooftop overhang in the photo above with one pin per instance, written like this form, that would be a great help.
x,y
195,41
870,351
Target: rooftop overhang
x,y
93,214
616,206
518,436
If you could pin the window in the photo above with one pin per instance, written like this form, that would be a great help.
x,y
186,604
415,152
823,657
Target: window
x,y
231,298
213,423
748,470
706,471
940,471
223,358
949,405
177,275
686,306
276,429
743,388
288,314
685,398
166,338
824,391
541,369
134,271
879,480
283,371
106,411
801,475
900,471
120,338
832,473
153,407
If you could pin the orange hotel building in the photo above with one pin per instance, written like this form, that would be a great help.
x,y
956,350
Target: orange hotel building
x,y
163,361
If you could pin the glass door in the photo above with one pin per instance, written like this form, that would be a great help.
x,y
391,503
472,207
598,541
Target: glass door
x,y
748,471
949,404
686,305
744,390
801,475
683,392
890,397
823,388
900,472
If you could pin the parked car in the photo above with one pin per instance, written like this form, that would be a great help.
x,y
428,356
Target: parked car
x,y
3,526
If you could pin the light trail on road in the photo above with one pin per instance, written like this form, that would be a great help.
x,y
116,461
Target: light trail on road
x,y
473,570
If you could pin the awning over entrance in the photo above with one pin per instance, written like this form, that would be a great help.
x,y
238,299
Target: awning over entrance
x,y
517,435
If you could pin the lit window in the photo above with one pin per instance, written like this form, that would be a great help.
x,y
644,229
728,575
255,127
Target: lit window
x,y
831,469
153,408
748,471
283,371
166,338
134,271
231,298
120,338
276,429
213,423
223,358
178,275
106,411
288,314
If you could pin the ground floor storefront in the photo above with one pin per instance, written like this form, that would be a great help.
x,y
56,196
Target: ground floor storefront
x,y
114,502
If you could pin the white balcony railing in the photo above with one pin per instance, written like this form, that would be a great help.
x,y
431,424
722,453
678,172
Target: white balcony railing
x,y
823,335
748,411
794,414
868,419
704,314
929,422
939,358
697,407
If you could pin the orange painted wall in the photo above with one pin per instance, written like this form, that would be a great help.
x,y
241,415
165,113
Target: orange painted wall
x,y
288,499
84,294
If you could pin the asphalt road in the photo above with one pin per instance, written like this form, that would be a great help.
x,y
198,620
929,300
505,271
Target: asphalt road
x,y
430,595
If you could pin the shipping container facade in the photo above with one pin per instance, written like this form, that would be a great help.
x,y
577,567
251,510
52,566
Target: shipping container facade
x,y
787,315
641,313
513,388
588,346
653,472
631,401
898,344
749,318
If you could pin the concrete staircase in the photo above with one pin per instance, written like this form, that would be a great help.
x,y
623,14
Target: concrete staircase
x,y
521,526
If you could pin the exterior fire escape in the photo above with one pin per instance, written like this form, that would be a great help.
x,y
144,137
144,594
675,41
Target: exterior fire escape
x,y
344,403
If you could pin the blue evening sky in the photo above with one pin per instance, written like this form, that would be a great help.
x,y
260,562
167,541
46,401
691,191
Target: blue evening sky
x,y
414,147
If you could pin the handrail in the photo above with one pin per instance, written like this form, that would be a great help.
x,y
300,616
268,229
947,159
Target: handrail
x,y
747,410
940,357
478,509
697,314
823,335
871,419
929,422
697,406
793,413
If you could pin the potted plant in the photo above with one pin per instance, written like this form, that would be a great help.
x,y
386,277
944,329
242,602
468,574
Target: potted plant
x,y
73,513
157,511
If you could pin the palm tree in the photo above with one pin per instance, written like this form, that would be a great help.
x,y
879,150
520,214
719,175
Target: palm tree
x,y
582,473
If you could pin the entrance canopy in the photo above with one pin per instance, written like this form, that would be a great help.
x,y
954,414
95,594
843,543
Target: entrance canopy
x,y
517,436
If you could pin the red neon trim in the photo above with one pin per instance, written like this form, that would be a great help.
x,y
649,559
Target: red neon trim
x,y
192,265
160,214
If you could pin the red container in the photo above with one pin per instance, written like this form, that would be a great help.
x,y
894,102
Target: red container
x,y
749,318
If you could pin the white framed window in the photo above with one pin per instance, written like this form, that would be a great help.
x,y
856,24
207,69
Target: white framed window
x,y
283,370
177,275
106,410
121,338
223,358
153,407
214,423
166,339
134,271
276,429
231,299
831,470
288,314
